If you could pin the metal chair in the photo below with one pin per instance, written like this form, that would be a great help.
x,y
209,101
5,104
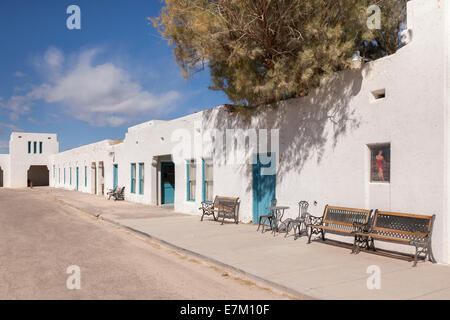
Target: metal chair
x,y
300,221
267,218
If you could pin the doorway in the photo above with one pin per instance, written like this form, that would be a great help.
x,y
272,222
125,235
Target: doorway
x,y
264,184
115,175
78,172
93,178
1,177
167,182
38,176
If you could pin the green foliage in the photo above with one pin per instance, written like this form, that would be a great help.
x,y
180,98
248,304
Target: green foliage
x,y
264,51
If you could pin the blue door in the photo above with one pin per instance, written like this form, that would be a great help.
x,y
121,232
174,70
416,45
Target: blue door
x,y
167,182
77,177
264,182
115,175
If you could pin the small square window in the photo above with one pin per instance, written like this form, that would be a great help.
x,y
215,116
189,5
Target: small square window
x,y
378,94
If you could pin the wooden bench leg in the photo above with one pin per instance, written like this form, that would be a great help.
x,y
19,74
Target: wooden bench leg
x,y
357,244
354,244
415,256
310,235
430,253
372,244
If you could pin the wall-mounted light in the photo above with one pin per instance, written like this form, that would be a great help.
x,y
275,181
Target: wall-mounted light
x,y
357,60
406,36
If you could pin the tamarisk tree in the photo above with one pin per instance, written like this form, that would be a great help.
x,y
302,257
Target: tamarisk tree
x,y
263,51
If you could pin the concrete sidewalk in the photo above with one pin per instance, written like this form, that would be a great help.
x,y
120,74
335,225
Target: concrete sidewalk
x,y
317,270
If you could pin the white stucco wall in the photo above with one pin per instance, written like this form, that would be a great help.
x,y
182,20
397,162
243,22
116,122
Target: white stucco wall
x,y
21,160
151,143
88,159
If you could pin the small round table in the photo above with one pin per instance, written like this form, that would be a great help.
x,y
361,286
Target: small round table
x,y
277,215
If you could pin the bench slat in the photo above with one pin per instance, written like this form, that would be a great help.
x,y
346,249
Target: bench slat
x,y
378,236
332,229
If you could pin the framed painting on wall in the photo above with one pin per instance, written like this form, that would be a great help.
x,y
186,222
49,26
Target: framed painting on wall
x,y
380,162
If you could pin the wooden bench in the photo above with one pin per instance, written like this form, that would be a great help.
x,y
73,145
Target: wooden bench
x,y
119,194
338,220
112,192
403,228
224,207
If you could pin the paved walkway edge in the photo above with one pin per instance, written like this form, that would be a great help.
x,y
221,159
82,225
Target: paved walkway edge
x,y
216,262
193,253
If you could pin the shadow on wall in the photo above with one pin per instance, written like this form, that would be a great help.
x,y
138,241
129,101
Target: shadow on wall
x,y
306,125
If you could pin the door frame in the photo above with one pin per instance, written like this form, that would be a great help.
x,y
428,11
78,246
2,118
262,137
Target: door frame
x,y
256,164
78,171
163,165
115,175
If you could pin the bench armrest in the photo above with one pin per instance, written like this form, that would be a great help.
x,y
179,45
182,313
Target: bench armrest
x,y
313,220
207,206
361,227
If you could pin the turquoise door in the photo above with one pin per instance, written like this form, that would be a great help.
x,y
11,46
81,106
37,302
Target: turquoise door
x,y
115,175
264,183
77,176
167,182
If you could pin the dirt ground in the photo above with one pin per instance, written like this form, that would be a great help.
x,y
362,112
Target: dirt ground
x,y
40,239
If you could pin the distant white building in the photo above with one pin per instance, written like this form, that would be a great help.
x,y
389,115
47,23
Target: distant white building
x,y
28,159
378,138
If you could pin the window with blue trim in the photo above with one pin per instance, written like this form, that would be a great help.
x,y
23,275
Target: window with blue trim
x,y
208,181
133,178
40,147
191,168
35,147
141,178
29,146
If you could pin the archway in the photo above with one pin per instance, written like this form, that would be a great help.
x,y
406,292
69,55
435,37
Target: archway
x,y
38,175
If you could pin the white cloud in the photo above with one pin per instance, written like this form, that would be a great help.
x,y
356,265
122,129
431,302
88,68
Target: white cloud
x,y
54,57
17,106
100,94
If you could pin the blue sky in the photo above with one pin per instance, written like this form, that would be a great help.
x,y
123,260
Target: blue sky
x,y
90,84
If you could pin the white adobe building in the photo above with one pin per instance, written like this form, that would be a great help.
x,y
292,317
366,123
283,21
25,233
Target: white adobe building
x,y
28,160
328,143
